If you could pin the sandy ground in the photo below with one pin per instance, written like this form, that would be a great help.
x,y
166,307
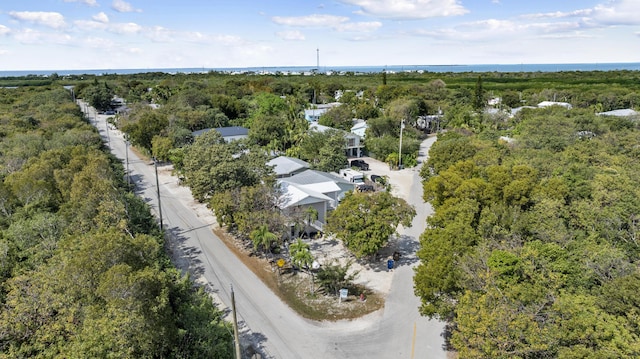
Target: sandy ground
x,y
371,274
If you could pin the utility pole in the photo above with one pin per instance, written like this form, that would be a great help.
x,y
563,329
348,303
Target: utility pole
x,y
236,336
155,165
400,147
126,151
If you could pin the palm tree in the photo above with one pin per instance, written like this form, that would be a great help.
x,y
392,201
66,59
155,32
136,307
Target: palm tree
x,y
263,237
300,254
311,214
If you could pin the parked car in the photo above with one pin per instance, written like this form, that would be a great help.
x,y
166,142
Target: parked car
x,y
365,188
361,164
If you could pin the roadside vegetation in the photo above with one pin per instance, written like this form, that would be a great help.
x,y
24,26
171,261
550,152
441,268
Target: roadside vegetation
x,y
83,271
531,252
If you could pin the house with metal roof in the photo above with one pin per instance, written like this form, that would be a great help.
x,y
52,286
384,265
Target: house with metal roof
x,y
313,114
320,190
285,166
544,104
625,112
228,133
359,128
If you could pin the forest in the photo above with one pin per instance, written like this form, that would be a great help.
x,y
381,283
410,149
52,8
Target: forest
x,y
531,251
83,272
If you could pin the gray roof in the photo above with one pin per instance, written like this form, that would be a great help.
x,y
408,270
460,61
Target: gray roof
x,y
313,176
225,131
286,165
626,112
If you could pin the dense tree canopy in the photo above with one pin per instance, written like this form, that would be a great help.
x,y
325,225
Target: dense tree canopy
x,y
529,237
83,273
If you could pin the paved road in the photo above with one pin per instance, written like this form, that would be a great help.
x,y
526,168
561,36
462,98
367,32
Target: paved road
x,y
397,331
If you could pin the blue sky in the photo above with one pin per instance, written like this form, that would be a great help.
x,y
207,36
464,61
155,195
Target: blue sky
x,y
117,34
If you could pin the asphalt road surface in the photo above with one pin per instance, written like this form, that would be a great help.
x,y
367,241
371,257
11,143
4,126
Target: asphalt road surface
x,y
396,331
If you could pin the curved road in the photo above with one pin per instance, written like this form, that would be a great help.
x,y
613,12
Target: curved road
x,y
397,331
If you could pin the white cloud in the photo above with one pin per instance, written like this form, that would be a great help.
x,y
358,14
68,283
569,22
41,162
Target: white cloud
x,y
86,2
4,30
197,37
125,28
229,40
314,20
160,34
50,19
101,17
559,14
337,23
493,30
86,25
618,12
408,9
293,35
36,37
359,26
98,43
613,13
123,6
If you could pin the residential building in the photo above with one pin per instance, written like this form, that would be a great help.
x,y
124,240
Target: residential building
x,y
285,166
320,190
359,128
626,112
228,133
544,104
313,114
354,145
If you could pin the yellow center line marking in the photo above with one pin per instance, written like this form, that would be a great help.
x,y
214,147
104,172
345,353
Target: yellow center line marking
x,y
413,341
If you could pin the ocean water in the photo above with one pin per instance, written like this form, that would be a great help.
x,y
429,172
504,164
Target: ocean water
x,y
631,66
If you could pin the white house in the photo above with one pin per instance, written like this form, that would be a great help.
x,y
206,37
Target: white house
x,y
359,128
353,142
313,114
285,166
544,104
320,190
626,112
228,133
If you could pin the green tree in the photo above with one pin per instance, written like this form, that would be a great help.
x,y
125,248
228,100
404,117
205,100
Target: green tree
x,y
334,276
263,238
479,102
211,165
143,126
340,117
325,151
98,96
365,221
300,253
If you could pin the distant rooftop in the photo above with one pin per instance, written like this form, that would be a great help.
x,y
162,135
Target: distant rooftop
x,y
224,131
626,112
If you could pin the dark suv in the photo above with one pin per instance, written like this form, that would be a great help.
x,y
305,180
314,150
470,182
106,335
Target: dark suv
x,y
361,164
